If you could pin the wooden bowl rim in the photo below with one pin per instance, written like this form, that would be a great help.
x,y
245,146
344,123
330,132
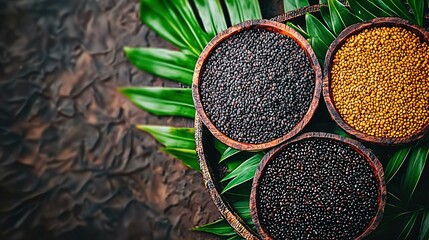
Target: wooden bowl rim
x,y
271,26
213,187
327,93
355,145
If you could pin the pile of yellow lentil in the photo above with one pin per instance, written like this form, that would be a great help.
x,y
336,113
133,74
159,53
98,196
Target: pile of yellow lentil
x,y
380,82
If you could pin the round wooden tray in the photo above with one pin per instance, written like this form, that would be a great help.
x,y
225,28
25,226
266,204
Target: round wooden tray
x,y
271,26
208,156
327,93
356,146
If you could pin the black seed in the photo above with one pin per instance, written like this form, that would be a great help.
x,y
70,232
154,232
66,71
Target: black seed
x,y
256,85
317,189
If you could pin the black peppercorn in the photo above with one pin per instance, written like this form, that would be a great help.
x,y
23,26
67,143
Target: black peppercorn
x,y
256,85
317,189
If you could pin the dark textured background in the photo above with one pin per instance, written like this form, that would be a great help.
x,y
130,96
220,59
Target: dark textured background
x,y
72,165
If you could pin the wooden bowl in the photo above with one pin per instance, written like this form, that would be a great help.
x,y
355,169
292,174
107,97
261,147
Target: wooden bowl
x,y
327,93
274,27
355,145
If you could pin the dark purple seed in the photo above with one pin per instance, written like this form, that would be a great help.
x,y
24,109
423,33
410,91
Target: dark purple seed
x,y
256,85
317,189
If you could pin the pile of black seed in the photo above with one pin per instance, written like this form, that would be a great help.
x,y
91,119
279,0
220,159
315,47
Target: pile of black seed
x,y
256,85
317,189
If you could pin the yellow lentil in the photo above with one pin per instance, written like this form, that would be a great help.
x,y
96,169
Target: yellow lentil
x,y
380,82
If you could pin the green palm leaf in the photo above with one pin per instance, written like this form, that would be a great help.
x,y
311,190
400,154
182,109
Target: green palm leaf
x,y
240,11
395,163
232,158
229,152
185,19
321,36
391,226
236,237
178,142
415,169
236,160
341,17
233,163
360,10
289,5
367,9
395,8
409,224
159,16
212,16
298,29
418,8
424,229
171,137
187,156
324,11
242,208
393,198
220,227
318,48
161,23
243,173
173,65
317,30
162,101
220,146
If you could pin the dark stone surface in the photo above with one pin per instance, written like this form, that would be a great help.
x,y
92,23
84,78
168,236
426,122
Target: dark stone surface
x,y
72,164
